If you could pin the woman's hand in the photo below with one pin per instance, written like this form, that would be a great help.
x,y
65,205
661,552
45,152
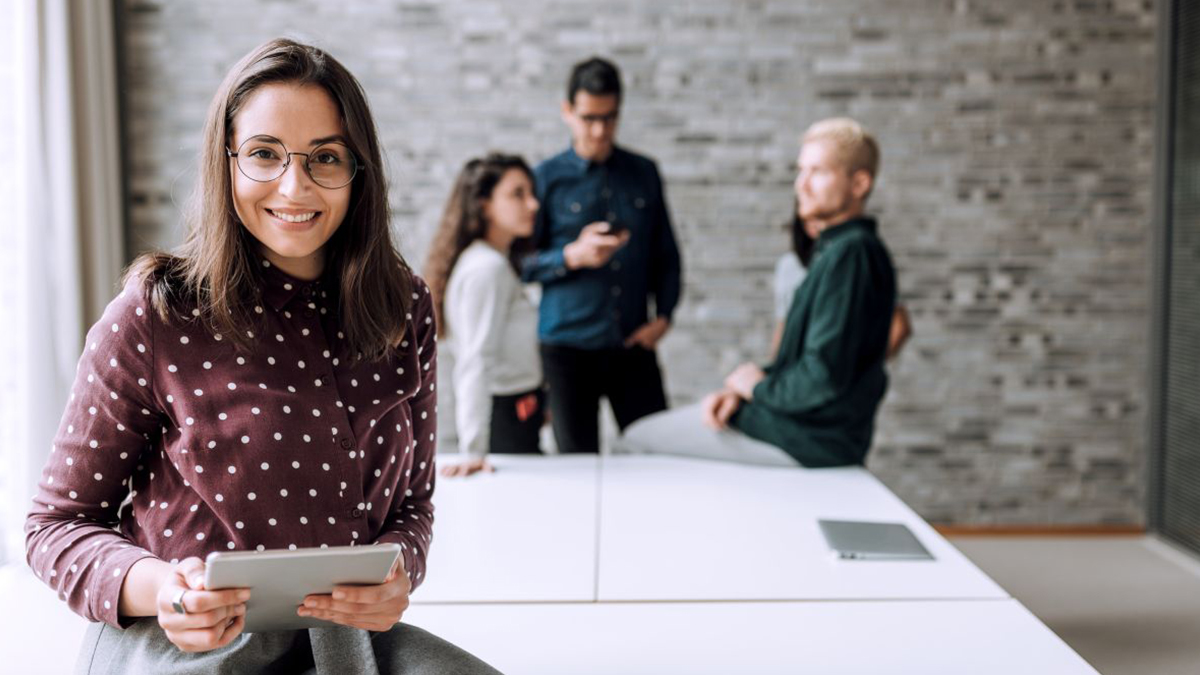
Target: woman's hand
x,y
376,608
473,465
899,331
213,618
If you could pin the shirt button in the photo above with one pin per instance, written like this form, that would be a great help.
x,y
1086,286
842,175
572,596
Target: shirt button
x,y
307,291
308,314
356,513
346,443
611,217
606,193
326,380
575,207
616,265
616,291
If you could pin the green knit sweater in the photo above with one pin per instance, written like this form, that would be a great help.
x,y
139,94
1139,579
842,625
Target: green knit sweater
x,y
820,395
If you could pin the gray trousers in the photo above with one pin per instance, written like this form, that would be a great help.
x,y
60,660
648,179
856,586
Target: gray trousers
x,y
405,649
681,431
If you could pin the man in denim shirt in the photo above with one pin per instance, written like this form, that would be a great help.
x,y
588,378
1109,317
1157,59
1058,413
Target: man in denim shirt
x,y
604,249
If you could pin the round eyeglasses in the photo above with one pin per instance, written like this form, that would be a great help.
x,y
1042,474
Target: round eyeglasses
x,y
263,159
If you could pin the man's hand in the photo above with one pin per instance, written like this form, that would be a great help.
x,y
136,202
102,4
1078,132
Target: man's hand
x,y
470,466
593,247
718,407
743,380
648,334
376,608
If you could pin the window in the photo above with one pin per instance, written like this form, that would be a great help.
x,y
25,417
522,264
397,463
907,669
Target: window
x,y
1175,508
12,296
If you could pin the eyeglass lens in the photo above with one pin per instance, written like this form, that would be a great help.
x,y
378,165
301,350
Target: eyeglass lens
x,y
331,165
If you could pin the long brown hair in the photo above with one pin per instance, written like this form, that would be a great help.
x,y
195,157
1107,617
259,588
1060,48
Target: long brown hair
x,y
215,270
464,221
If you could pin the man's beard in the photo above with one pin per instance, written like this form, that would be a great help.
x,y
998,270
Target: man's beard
x,y
824,214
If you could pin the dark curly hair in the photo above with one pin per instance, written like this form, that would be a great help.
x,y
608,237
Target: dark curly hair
x,y
463,222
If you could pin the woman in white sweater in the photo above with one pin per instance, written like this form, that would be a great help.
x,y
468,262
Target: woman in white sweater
x,y
483,312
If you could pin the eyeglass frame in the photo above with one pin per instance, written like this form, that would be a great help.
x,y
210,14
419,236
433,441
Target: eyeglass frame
x,y
607,120
288,161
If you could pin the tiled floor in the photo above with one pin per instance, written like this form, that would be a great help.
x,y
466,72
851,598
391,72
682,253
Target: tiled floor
x,y
1129,605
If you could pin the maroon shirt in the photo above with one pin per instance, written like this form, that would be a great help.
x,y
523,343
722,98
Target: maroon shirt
x,y
173,444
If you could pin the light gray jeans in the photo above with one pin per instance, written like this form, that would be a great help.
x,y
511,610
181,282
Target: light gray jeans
x,y
404,650
681,431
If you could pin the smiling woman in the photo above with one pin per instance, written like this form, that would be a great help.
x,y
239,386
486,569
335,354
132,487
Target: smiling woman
x,y
241,210
286,332
291,210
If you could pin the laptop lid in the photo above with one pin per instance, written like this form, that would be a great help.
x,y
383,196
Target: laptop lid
x,y
860,540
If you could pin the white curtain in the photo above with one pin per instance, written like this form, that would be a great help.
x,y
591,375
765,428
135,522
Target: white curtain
x,y
62,258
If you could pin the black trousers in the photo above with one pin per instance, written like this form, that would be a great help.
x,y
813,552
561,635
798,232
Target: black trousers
x,y
629,378
517,421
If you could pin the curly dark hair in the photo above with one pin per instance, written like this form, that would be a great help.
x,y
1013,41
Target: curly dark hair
x,y
463,222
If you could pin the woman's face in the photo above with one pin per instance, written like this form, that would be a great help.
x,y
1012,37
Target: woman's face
x,y
291,216
512,206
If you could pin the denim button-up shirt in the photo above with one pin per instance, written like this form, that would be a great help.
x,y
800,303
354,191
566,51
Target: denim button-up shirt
x,y
599,308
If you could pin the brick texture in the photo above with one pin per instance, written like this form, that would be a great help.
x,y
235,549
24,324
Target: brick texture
x,y
1017,138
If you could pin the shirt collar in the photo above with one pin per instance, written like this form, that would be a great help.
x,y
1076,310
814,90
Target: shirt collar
x,y
279,288
835,232
582,165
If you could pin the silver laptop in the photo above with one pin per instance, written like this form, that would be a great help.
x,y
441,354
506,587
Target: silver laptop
x,y
856,540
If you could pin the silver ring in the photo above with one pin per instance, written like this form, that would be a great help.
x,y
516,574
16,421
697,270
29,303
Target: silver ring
x,y
177,602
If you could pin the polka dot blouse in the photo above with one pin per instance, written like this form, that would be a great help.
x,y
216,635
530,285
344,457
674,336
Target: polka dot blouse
x,y
174,444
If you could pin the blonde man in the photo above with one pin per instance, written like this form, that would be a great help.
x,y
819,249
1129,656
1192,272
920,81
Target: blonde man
x,y
815,404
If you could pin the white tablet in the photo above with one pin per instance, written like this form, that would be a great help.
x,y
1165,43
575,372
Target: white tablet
x,y
279,580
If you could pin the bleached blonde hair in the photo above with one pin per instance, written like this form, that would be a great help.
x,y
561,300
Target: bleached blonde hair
x,y
855,147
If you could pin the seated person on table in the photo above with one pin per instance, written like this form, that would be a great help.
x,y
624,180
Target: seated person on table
x,y
792,267
228,401
815,404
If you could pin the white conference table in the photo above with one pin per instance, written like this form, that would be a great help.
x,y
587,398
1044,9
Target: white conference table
x,y
658,564
526,533
683,529
942,637
705,567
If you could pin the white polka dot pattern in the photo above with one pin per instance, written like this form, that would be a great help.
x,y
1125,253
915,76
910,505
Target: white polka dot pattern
x,y
294,423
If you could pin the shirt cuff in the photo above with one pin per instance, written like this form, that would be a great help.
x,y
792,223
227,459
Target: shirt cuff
x,y
759,389
413,564
108,597
558,262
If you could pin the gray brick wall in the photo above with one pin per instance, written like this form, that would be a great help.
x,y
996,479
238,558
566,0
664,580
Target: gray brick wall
x,y
1015,194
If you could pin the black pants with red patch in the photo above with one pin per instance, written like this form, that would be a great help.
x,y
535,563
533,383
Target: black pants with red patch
x,y
517,420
